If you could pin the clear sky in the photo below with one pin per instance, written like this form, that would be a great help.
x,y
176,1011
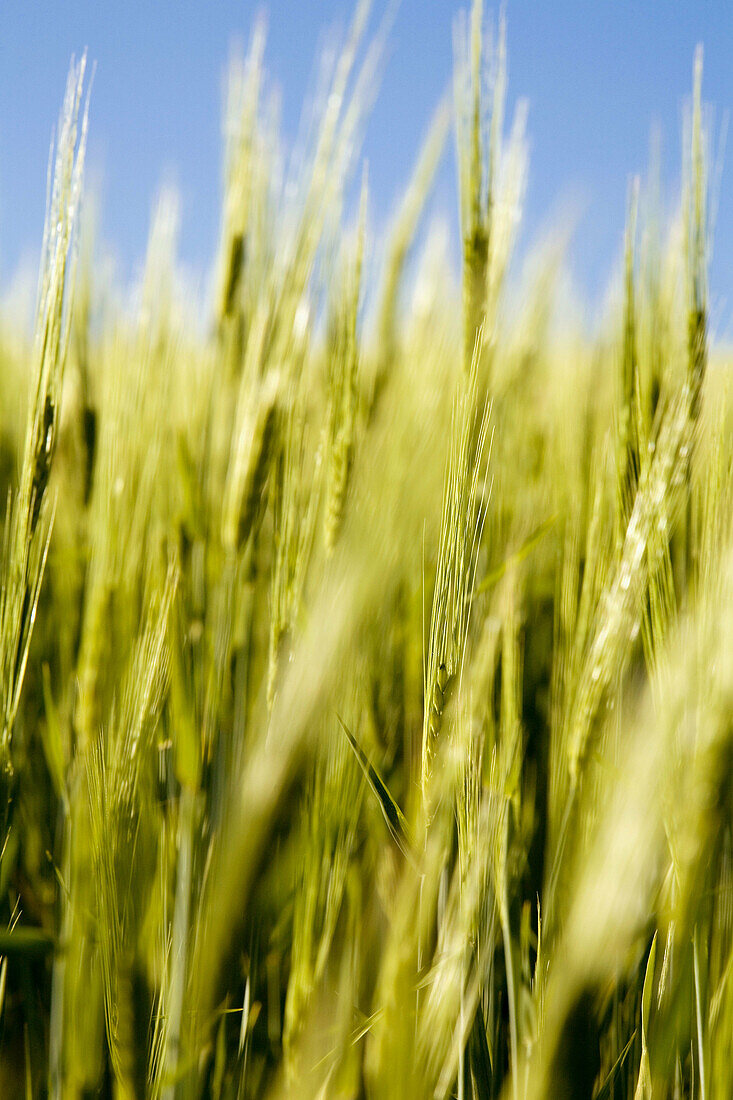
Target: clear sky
x,y
598,75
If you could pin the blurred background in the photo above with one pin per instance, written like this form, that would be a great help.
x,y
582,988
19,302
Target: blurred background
x,y
601,80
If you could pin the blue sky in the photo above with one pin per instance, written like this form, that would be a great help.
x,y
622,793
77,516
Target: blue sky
x,y
598,74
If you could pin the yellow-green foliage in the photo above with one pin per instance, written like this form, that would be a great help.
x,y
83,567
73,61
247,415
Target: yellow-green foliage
x,y
366,654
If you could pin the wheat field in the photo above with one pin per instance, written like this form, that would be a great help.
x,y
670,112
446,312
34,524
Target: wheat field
x,y
366,650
